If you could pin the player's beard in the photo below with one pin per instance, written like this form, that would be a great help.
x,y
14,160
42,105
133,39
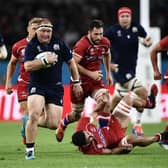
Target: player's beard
x,y
96,42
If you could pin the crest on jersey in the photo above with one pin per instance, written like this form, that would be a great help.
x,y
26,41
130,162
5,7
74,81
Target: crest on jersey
x,y
134,29
92,51
119,33
56,47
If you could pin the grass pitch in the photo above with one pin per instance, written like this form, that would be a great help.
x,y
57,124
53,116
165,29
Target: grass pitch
x,y
51,154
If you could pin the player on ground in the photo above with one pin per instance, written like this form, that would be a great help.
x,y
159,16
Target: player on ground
x,y
124,38
162,45
23,79
45,88
89,52
111,139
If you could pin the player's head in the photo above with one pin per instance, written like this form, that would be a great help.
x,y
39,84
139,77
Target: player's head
x,y
44,31
124,17
82,138
32,26
95,32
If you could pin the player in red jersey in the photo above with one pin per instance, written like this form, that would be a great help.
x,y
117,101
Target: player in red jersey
x,y
23,79
111,139
162,45
89,52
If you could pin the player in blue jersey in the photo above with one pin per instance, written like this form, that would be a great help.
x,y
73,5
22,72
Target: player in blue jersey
x,y
45,87
124,38
3,50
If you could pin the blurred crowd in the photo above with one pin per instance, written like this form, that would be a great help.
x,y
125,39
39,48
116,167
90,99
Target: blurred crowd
x,y
70,17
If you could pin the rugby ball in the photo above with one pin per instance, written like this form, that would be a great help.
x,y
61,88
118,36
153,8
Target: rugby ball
x,y
42,55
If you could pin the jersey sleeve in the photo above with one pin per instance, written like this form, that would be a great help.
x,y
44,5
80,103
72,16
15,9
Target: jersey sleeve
x,y
80,48
65,51
15,50
29,53
164,43
142,32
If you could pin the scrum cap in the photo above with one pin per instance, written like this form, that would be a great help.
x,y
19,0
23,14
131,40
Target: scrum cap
x,y
124,10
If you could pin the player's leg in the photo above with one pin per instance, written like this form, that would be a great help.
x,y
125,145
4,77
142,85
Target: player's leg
x,y
164,143
54,114
69,118
146,140
22,94
74,115
23,106
36,104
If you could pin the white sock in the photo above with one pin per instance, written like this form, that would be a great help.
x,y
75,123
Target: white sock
x,y
138,118
30,149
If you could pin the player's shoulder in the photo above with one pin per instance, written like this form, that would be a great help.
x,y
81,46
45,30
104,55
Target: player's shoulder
x,y
136,24
105,41
20,43
83,42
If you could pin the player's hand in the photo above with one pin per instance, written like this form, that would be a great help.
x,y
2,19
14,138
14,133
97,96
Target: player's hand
x,y
52,58
147,42
96,75
77,89
109,80
157,75
9,90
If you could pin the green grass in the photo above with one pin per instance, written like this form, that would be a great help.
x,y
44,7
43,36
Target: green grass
x,y
51,154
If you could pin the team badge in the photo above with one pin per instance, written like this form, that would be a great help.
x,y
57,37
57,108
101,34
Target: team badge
x,y
119,33
134,29
56,47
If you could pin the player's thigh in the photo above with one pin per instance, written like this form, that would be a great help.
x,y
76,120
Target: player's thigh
x,y
35,104
141,92
54,114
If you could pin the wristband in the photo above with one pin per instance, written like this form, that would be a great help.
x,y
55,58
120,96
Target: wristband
x,y
76,82
44,61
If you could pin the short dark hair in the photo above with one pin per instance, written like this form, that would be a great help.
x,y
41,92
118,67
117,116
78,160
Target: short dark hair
x,y
96,23
78,138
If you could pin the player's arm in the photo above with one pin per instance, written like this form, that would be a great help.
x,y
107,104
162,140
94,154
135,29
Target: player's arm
x,y
75,76
107,61
36,64
3,52
154,60
95,75
116,150
11,67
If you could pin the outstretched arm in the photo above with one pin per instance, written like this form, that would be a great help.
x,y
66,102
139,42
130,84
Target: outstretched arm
x,y
156,49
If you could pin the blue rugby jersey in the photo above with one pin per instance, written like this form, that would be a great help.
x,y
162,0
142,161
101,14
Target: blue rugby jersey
x,y
124,49
52,75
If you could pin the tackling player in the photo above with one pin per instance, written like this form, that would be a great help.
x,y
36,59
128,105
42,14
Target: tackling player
x,y
111,139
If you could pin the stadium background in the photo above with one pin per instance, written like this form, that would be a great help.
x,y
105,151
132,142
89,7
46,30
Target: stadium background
x,y
70,19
